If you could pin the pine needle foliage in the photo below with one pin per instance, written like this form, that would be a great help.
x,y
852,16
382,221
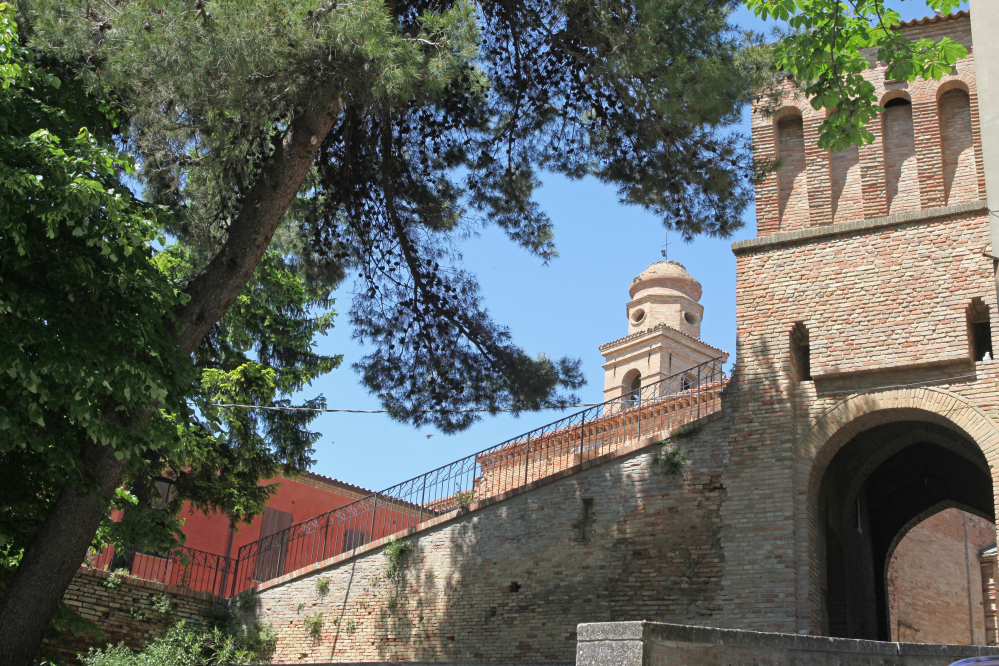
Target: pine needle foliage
x,y
446,115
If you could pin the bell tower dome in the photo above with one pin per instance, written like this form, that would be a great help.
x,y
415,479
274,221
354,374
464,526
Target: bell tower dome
x,y
664,331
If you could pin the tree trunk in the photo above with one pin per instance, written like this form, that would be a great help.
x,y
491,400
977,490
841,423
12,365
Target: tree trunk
x,y
55,553
53,557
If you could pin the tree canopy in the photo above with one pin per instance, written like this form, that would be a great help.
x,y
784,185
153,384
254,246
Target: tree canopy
x,y
287,147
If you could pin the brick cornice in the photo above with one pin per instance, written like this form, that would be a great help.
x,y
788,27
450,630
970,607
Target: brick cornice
x,y
752,245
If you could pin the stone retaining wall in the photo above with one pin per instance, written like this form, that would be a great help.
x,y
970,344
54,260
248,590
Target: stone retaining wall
x,y
655,644
124,614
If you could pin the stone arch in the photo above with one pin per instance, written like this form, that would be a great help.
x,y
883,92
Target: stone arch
x,y
920,517
895,94
839,425
952,84
792,188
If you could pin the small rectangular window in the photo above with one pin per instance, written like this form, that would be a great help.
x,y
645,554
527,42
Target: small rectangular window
x,y
979,330
801,364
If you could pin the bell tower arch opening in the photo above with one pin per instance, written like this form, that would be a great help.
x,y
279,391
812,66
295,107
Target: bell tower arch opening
x,y
878,486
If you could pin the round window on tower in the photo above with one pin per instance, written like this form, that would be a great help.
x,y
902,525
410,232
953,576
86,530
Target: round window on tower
x,y
637,316
690,318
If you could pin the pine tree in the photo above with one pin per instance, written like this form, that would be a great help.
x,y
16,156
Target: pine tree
x,y
367,138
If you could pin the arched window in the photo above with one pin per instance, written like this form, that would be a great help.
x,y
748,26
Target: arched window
x,y
901,173
957,147
792,194
686,383
636,387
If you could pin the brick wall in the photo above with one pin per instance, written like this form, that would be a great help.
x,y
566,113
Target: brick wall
x,y
935,580
617,540
917,147
740,541
124,614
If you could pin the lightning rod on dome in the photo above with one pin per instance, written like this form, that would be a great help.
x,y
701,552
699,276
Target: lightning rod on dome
x,y
666,246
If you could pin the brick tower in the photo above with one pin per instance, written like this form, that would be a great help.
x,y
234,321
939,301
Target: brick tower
x,y
664,331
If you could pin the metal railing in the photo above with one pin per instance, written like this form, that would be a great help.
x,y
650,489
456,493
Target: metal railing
x,y
648,411
183,567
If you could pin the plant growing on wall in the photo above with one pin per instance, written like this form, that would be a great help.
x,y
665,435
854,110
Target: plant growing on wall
x,y
116,579
350,626
314,624
163,604
462,500
323,586
669,458
247,602
136,614
397,552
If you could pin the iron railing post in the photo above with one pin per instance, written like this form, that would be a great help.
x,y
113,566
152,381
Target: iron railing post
x,y
374,510
698,391
423,498
639,415
235,576
582,437
527,458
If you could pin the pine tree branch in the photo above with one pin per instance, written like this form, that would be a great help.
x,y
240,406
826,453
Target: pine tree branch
x,y
263,207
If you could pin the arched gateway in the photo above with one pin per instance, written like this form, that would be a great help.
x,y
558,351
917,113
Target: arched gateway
x,y
872,467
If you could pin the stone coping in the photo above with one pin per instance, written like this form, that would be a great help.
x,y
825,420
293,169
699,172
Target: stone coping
x,y
458,514
659,329
682,633
751,245
152,585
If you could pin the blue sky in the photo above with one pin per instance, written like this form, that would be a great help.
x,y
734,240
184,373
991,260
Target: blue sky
x,y
567,308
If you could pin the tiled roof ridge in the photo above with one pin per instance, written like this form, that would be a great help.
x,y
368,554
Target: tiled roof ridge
x,y
322,478
934,19
656,328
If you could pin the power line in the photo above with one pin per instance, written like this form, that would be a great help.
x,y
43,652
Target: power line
x,y
384,411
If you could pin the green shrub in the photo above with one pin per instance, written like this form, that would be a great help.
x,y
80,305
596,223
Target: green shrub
x,y
670,459
350,626
247,602
163,604
220,616
393,602
323,586
117,577
314,624
462,500
184,645
398,552
136,614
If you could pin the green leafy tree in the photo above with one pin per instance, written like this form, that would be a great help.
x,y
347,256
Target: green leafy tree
x,y
83,301
831,43
362,139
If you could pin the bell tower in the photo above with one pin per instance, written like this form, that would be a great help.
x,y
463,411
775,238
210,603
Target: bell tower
x,y
664,331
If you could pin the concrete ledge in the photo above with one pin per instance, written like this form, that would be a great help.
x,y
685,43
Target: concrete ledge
x,y
751,245
653,644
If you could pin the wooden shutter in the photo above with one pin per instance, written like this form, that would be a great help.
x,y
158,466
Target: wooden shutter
x,y
273,544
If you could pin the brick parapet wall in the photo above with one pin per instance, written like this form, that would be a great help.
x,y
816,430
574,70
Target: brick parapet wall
x,y
116,611
902,170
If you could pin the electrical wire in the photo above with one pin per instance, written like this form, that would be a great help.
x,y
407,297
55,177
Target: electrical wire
x,y
582,404
384,411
